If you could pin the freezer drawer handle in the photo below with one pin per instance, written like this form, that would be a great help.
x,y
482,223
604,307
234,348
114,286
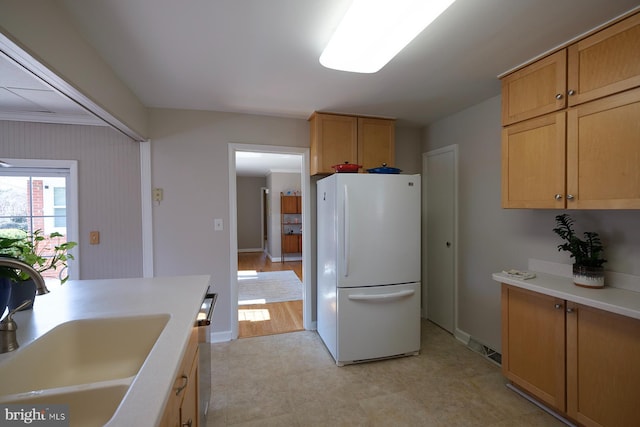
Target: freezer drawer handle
x,y
382,297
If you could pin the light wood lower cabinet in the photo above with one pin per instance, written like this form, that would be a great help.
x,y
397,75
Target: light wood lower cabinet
x,y
580,360
533,352
182,407
603,367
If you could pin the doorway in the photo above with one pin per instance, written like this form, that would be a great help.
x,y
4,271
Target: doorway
x,y
251,264
440,222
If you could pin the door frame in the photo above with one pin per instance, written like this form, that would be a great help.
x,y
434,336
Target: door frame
x,y
454,149
306,224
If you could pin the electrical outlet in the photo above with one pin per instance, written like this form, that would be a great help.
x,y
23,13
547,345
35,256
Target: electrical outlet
x,y
94,237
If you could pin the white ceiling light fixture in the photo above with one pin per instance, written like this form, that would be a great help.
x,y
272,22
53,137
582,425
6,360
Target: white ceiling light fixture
x,y
372,32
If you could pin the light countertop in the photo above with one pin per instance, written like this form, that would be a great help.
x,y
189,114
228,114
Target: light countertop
x,y
180,297
615,300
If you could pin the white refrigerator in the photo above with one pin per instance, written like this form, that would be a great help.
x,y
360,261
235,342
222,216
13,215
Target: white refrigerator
x,y
368,279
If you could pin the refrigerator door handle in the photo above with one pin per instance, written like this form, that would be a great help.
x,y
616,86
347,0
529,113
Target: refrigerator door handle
x,y
346,231
382,297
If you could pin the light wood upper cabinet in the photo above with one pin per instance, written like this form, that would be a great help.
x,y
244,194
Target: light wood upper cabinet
x,y
533,348
585,155
533,163
376,142
535,90
603,153
337,138
605,63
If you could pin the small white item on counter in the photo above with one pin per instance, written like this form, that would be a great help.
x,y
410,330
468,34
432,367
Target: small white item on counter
x,y
517,274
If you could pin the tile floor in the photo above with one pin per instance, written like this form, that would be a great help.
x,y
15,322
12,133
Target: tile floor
x,y
291,380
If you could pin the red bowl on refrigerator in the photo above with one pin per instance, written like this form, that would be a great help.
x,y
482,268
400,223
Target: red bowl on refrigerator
x,y
346,167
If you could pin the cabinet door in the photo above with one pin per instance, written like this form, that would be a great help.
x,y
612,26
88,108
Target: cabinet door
x,y
334,140
376,142
606,62
290,243
535,90
189,408
603,153
533,163
533,348
289,204
603,373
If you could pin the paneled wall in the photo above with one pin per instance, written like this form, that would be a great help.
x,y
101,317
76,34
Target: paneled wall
x,y
108,189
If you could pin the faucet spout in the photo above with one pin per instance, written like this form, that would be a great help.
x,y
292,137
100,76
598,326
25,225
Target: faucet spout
x,y
41,287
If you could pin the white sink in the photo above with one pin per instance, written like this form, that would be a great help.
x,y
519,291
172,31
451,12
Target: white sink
x,y
82,352
86,408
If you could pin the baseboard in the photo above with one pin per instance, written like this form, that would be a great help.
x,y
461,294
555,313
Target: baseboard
x,y
223,336
462,336
251,250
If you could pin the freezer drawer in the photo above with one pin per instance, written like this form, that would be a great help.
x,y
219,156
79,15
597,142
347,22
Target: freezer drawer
x,y
377,322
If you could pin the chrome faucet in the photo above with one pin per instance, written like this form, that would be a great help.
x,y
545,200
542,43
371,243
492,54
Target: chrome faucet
x,y
41,287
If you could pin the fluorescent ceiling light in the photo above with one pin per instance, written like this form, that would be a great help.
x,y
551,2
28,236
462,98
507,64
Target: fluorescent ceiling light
x,y
372,32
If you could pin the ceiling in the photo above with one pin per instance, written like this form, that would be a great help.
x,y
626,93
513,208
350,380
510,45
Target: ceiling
x,y
255,164
261,57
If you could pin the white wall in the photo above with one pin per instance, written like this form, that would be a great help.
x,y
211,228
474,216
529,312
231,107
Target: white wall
x,y
189,151
108,189
492,238
249,202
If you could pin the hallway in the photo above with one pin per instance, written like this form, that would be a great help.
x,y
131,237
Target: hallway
x,y
256,320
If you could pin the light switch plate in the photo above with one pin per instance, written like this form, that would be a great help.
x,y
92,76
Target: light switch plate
x,y
94,237
217,224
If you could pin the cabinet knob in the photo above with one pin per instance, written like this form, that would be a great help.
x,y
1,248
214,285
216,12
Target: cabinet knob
x,y
558,96
571,92
558,306
569,310
188,423
558,197
570,197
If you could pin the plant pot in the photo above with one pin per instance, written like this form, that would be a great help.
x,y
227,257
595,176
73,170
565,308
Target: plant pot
x,y
5,292
21,291
588,277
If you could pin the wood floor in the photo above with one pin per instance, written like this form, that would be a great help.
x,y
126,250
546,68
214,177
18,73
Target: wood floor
x,y
274,318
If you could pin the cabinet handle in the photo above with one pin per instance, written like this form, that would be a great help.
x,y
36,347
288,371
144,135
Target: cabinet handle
x,y
570,197
557,306
558,96
184,385
571,92
569,310
558,197
188,423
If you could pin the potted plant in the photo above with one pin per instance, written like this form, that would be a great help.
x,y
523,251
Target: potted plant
x,y
38,250
587,254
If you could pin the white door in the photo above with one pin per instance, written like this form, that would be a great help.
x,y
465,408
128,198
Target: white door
x,y
439,260
379,237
